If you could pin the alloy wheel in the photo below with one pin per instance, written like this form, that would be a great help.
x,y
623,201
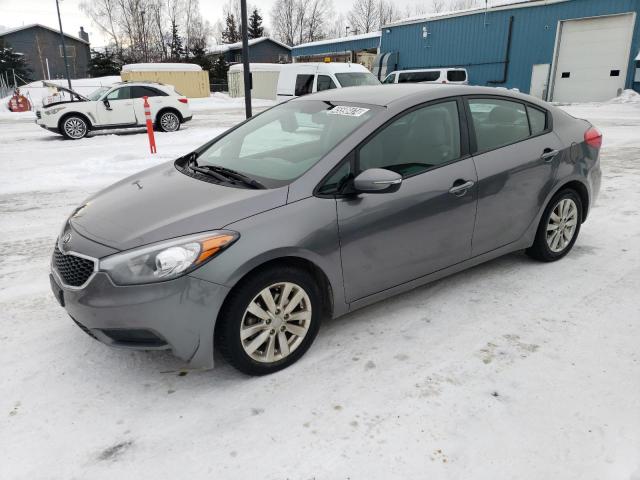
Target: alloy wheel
x,y
562,224
169,122
275,322
75,128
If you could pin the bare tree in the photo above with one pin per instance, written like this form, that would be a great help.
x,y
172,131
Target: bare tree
x,y
387,13
318,14
364,16
284,20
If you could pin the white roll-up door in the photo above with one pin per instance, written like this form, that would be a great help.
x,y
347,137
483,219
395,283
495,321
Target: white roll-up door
x,y
592,56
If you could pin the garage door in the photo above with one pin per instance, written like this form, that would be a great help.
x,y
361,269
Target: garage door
x,y
592,58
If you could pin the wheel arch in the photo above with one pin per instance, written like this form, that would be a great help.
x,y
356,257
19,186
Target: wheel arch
x,y
294,261
168,109
581,189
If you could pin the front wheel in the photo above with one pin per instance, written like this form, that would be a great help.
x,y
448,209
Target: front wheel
x,y
269,320
559,227
74,127
168,122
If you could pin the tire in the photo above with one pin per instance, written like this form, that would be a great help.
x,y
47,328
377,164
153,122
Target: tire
x,y
74,127
564,213
168,121
270,342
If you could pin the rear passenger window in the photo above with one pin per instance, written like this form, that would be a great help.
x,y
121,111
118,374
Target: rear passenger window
x,y
413,77
417,141
456,75
140,91
325,83
537,120
498,122
304,85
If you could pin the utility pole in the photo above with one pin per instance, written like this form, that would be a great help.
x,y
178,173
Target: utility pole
x,y
245,59
346,31
64,48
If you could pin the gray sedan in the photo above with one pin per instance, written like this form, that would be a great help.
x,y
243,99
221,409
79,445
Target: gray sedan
x,y
318,207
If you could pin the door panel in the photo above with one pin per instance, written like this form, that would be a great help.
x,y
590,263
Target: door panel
x,y
120,111
389,239
512,183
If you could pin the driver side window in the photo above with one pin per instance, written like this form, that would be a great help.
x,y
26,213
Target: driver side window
x,y
418,141
123,93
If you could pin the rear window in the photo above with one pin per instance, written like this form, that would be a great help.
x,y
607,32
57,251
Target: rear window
x,y
304,85
354,79
412,77
456,75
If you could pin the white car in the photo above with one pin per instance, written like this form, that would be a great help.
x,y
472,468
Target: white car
x,y
429,75
118,106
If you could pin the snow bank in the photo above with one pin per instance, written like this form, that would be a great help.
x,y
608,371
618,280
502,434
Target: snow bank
x,y
221,101
627,96
161,67
36,92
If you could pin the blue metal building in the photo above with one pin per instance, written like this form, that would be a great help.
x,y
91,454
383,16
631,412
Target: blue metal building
x,y
338,49
562,50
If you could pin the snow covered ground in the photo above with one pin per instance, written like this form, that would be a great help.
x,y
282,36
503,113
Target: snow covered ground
x,y
511,370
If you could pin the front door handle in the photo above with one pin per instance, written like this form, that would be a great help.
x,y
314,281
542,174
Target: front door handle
x,y
549,154
459,189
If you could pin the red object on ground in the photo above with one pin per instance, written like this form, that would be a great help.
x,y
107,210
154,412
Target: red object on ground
x,y
147,116
19,103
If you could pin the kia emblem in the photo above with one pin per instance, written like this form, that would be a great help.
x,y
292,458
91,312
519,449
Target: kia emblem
x,y
67,238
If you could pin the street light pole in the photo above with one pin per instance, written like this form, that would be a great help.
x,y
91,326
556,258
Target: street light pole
x,y
64,48
245,58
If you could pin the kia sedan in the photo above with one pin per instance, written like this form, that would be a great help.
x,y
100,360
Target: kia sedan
x,y
316,208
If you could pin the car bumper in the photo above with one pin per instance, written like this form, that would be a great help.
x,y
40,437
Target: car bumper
x,y
177,315
187,119
41,123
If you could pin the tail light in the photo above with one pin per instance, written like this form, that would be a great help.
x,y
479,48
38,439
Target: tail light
x,y
183,100
593,137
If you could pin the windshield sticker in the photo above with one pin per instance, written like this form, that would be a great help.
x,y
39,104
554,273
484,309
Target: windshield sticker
x,y
348,111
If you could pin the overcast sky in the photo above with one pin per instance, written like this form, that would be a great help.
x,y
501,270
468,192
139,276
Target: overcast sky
x,y
15,13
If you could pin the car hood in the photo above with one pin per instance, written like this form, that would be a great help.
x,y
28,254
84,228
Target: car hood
x,y
162,203
64,89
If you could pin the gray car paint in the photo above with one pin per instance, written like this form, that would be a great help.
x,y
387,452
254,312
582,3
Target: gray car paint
x,y
385,243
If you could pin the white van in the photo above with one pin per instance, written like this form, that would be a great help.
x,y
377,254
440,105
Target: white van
x,y
429,75
298,79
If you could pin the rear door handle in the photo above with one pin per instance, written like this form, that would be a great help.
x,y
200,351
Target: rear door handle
x,y
549,154
460,189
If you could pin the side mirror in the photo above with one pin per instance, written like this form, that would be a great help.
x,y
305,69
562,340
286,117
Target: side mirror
x,y
106,104
377,180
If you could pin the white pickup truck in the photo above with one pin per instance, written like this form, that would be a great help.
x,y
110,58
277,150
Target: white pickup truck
x,y
118,106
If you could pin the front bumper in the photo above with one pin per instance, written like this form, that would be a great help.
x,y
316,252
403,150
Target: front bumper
x,y
41,123
178,315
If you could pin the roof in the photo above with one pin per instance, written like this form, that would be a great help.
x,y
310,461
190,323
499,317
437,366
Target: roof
x,y
39,25
351,38
496,5
384,95
225,47
164,67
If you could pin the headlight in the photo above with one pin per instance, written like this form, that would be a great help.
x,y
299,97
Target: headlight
x,y
52,111
166,260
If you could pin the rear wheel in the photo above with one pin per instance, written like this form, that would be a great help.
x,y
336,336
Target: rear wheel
x,y
74,127
269,320
168,122
559,227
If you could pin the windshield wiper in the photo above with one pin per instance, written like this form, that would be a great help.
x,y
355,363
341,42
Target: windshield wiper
x,y
221,174
240,177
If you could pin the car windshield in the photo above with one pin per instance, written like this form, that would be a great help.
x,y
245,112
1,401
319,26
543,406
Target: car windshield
x,y
282,143
95,95
354,79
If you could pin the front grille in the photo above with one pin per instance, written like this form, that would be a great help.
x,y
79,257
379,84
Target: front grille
x,y
74,271
38,114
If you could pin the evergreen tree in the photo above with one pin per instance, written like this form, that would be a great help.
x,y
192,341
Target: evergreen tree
x,y
200,56
255,30
231,32
103,64
11,61
220,69
176,48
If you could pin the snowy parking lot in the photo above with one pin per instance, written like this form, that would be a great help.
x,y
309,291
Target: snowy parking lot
x,y
511,370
